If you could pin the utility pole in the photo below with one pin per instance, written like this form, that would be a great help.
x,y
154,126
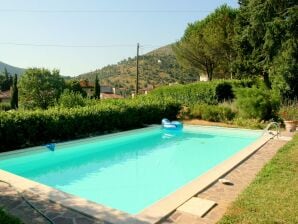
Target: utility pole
x,y
137,82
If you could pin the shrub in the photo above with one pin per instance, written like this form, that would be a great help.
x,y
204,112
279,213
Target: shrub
x,y
214,113
248,123
5,106
257,103
69,99
289,110
224,92
26,128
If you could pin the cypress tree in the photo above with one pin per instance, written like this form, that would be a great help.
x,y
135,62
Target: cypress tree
x,y
14,93
96,94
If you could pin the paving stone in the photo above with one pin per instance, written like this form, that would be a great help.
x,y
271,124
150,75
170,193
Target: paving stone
x,y
52,215
63,220
196,206
84,220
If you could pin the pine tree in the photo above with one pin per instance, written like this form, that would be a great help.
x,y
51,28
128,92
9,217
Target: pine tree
x,y
14,93
96,94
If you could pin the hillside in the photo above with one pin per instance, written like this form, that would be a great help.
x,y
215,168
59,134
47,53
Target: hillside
x,y
11,69
158,67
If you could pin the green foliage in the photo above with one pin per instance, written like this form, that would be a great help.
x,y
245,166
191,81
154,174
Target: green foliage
x,y
5,80
267,43
289,110
40,88
14,102
284,70
258,103
26,128
248,123
5,106
200,92
158,67
216,113
208,44
74,86
69,99
224,91
96,89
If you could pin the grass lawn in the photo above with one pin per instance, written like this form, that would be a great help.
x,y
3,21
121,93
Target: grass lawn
x,y
273,196
7,219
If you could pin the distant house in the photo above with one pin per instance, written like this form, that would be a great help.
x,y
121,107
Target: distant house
x,y
144,90
5,96
106,92
87,87
110,96
203,78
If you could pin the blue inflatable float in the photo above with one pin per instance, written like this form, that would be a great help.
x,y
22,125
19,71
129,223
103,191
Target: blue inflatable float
x,y
174,125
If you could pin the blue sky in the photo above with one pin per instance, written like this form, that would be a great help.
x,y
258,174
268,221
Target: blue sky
x,y
72,27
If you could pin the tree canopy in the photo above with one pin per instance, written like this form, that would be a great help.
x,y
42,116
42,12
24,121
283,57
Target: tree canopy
x,y
207,44
74,86
266,42
40,87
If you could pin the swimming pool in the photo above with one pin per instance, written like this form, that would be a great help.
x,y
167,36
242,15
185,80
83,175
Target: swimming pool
x,y
132,170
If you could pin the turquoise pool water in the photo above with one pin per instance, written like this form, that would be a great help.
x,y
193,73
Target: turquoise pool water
x,y
131,170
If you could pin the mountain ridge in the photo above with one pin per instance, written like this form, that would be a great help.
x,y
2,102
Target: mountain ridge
x,y
157,67
11,69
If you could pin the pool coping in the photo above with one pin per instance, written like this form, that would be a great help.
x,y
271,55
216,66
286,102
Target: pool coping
x,y
151,214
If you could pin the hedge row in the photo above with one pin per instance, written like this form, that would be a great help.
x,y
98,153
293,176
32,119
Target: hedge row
x,y
201,92
216,113
20,129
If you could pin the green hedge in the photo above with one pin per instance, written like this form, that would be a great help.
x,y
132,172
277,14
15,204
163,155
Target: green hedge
x,y
19,129
201,92
214,113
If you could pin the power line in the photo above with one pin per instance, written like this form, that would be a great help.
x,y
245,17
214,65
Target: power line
x,y
66,45
101,11
77,46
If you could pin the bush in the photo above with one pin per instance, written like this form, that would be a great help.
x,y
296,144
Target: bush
x,y
248,123
212,112
210,93
69,99
289,110
224,92
257,103
27,128
5,106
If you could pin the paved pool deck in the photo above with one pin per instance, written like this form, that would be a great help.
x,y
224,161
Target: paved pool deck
x,y
223,195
